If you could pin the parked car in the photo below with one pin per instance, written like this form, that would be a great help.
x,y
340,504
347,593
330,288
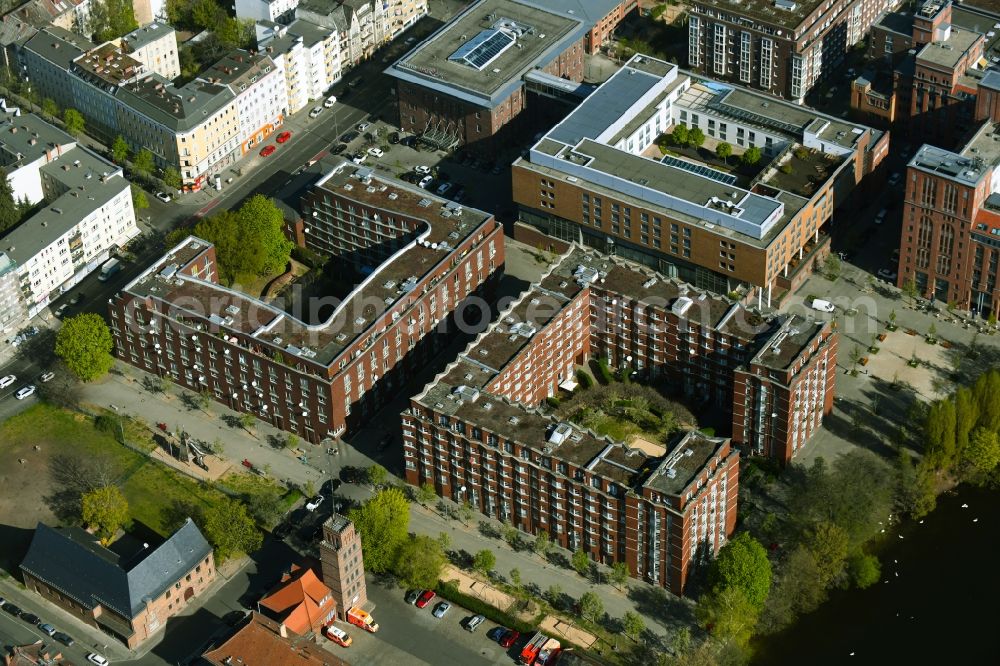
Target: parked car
x,y
894,178
349,135
496,633
887,274
77,297
412,596
30,618
422,169
337,635
48,629
821,305
508,638
880,216
65,639
24,392
376,152
12,609
164,197
441,609
361,127
95,658
283,137
359,158
424,598
314,503
316,111
443,189
338,149
330,101
425,181
7,381
2,601
474,622
61,309
267,150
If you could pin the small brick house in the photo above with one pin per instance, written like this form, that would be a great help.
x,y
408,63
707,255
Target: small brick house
x,y
128,593
300,602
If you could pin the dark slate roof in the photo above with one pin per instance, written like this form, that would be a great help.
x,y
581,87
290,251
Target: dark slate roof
x,y
70,561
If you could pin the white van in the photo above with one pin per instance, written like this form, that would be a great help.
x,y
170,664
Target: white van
x,y
821,305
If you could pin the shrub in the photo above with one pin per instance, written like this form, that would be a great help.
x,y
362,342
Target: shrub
x,y
552,401
304,255
586,381
785,168
450,591
604,371
801,153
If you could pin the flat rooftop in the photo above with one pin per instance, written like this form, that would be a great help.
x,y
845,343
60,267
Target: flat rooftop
x,y
442,225
88,182
483,53
686,459
792,337
107,66
783,13
146,35
967,167
947,54
25,138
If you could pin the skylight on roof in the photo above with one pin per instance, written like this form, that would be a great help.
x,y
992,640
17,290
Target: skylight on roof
x,y
484,48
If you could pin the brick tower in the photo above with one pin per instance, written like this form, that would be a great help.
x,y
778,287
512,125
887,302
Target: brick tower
x,y
343,566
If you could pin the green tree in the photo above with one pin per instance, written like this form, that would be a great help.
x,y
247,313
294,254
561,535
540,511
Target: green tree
x,y
966,417
50,108
795,592
679,135
696,137
723,150
247,421
74,122
377,475
581,562
542,544
909,289
248,242
987,393
110,19
119,150
484,561
742,564
84,344
427,493
172,178
939,432
864,570
730,614
262,223
143,163
207,14
9,213
829,544
230,530
633,625
139,200
291,441
554,594
106,510
751,156
264,505
419,562
382,522
509,533
515,578
982,455
917,495
235,32
619,574
591,606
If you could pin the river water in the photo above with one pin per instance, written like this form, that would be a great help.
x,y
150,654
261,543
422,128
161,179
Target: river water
x,y
938,602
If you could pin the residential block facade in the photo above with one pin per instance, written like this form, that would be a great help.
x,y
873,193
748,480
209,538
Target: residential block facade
x,y
476,432
308,54
319,367
598,178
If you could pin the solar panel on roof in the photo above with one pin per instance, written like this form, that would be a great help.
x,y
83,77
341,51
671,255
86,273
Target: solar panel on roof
x,y
482,49
700,169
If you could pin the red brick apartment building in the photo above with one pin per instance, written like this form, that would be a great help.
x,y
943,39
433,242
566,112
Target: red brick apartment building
x,y
422,256
950,241
475,432
471,78
783,47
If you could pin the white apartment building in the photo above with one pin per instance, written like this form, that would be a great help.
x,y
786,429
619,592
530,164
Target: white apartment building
x,y
155,46
88,212
260,90
266,10
308,54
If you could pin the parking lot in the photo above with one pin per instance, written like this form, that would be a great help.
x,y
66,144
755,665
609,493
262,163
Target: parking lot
x,y
412,635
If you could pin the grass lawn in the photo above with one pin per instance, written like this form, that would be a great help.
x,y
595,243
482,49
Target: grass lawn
x,y
61,449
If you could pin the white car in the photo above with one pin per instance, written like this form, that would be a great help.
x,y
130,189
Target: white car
x,y
95,658
363,126
47,377
376,152
314,503
24,392
887,274
821,305
422,169
7,381
880,217
330,101
359,158
164,197
424,182
315,112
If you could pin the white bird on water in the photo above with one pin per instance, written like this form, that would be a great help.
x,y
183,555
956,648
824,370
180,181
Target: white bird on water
x,y
965,506
852,654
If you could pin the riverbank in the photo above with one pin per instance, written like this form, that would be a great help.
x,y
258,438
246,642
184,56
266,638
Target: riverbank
x,y
935,603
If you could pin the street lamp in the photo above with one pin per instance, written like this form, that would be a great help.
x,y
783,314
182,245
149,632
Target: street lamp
x,y
121,428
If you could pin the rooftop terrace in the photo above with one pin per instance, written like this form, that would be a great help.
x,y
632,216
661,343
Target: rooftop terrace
x,y
107,67
442,225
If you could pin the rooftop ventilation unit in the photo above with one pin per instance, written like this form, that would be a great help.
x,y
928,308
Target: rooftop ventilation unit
x,y
560,434
467,393
681,305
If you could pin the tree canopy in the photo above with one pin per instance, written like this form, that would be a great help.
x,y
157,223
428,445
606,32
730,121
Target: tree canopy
x,y
419,562
10,214
230,529
84,344
591,606
74,121
751,156
143,162
723,150
110,19
249,241
730,614
383,523
106,510
742,564
119,150
484,561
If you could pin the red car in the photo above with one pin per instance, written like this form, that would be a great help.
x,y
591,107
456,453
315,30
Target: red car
x,y
283,137
267,150
425,598
508,638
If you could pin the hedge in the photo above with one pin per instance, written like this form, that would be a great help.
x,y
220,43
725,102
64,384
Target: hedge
x,y
586,381
306,256
605,372
450,592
